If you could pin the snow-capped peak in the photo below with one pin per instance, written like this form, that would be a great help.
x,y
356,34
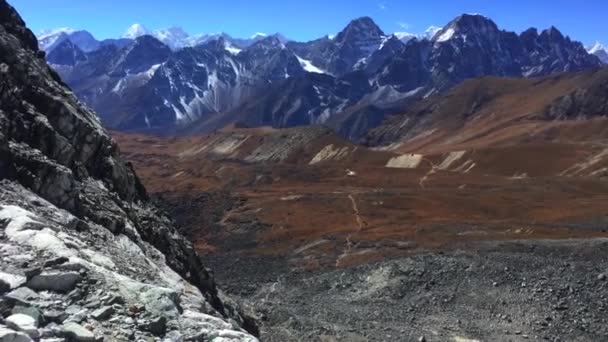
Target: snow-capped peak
x,y
259,35
600,51
431,31
597,47
407,36
52,32
135,31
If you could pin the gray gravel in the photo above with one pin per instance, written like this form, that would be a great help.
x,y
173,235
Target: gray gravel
x,y
532,291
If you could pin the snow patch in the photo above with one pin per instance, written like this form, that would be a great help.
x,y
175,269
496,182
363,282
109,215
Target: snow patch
x,y
446,35
308,66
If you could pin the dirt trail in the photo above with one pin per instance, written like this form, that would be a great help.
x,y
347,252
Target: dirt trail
x,y
433,169
360,225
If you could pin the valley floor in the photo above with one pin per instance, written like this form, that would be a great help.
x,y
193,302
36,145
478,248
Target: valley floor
x,y
328,241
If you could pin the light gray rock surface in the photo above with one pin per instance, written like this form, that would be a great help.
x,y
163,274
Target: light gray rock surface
x,y
78,233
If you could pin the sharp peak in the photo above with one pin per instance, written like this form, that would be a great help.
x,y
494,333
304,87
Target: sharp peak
x,y
553,31
362,21
366,24
474,18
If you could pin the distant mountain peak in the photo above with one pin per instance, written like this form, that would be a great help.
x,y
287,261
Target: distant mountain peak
x,y
135,31
51,32
258,35
598,49
429,33
360,28
464,25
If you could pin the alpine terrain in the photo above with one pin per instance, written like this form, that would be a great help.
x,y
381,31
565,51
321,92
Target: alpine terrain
x,y
363,186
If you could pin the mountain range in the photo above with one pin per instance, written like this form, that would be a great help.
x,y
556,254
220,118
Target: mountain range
x,y
166,80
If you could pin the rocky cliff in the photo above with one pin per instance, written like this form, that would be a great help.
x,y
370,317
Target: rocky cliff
x,y
85,255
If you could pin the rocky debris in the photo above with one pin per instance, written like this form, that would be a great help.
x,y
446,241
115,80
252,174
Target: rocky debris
x,y
78,333
77,229
23,323
545,291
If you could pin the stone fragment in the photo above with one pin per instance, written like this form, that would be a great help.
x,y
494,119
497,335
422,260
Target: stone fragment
x,y
23,323
10,335
77,332
30,311
62,282
103,313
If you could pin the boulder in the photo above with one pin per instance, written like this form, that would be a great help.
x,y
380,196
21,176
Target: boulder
x,y
62,282
4,286
23,323
10,281
103,313
78,333
30,311
22,295
55,316
9,335
157,326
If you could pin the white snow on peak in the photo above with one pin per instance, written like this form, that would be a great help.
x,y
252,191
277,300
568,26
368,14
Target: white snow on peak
x,y
600,51
308,66
259,34
432,31
135,31
597,47
51,32
428,34
405,36
446,35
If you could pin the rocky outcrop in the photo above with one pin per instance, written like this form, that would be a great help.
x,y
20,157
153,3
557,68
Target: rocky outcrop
x,y
97,258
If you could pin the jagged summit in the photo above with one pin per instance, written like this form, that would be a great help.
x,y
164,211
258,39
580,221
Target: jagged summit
x,y
360,29
465,25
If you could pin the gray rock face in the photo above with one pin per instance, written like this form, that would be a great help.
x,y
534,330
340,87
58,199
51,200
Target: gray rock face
x,y
66,194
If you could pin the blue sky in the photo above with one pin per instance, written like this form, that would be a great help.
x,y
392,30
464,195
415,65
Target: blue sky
x,y
309,19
